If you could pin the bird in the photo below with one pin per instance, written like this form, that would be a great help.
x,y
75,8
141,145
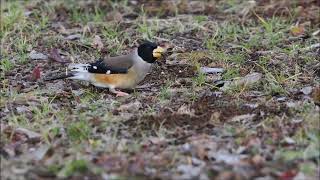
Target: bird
x,y
119,72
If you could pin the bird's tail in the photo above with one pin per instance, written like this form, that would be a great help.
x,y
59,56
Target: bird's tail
x,y
75,71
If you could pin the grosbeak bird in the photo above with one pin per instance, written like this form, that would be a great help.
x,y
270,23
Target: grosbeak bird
x,y
120,72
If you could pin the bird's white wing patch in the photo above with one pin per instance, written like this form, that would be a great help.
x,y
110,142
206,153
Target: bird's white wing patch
x,y
79,67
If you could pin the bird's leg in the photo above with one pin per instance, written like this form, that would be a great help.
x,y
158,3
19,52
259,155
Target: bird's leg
x,y
118,93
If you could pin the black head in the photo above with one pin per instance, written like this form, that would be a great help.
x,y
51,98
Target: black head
x,y
149,52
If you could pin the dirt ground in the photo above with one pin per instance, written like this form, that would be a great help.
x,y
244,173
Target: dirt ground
x,y
258,119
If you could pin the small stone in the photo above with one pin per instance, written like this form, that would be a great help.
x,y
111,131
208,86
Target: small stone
x,y
27,13
22,109
197,162
134,2
34,55
73,37
244,117
306,90
292,104
189,171
281,99
241,149
208,70
301,175
40,153
252,106
248,80
186,147
226,157
289,140
77,93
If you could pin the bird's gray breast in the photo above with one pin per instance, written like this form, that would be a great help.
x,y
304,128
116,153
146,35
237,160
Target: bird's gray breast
x,y
141,70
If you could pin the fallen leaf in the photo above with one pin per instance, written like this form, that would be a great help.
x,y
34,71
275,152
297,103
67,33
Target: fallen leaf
x,y
19,137
183,6
97,42
130,107
201,146
186,110
257,160
228,175
17,140
56,87
55,56
297,30
115,16
36,73
30,134
136,164
157,141
288,175
316,95
111,162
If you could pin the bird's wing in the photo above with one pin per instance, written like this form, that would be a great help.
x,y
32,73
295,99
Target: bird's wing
x,y
112,65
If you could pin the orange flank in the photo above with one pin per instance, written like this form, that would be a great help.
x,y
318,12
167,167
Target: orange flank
x,y
116,80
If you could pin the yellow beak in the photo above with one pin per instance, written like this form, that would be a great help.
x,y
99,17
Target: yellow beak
x,y
157,52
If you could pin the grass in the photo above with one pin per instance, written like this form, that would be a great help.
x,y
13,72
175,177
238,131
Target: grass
x,y
273,85
200,79
165,93
146,30
6,65
72,167
231,73
13,16
83,124
201,19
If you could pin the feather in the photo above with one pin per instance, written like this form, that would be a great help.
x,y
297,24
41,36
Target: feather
x,y
79,67
101,67
75,71
79,72
85,76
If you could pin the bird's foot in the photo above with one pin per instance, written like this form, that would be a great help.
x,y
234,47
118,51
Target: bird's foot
x,y
118,93
121,94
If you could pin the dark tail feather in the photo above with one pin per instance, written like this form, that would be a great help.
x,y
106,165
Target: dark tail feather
x,y
59,77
